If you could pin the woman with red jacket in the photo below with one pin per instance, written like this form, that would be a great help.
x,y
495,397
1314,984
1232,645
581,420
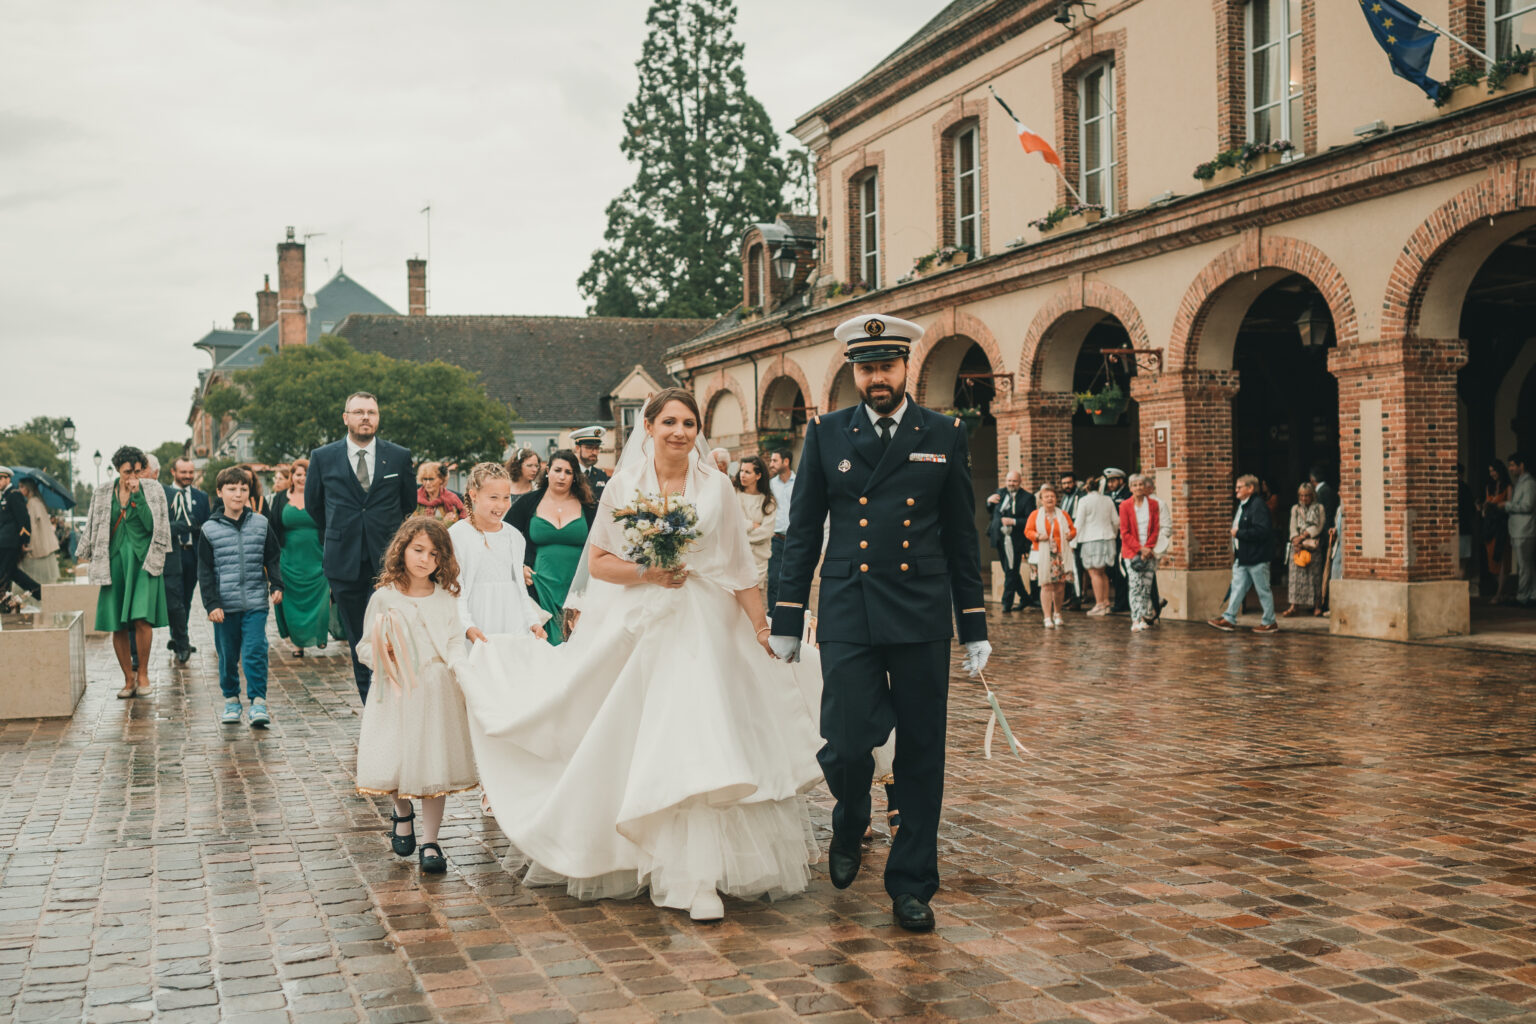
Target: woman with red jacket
x,y
1144,533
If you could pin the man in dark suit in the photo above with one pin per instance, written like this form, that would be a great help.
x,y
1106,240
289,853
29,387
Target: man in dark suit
x,y
589,445
15,535
359,491
1011,506
189,511
901,555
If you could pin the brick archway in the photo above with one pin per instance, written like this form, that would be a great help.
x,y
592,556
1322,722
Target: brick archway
x,y
953,323
778,369
721,384
1079,296
1428,275
1251,256
835,366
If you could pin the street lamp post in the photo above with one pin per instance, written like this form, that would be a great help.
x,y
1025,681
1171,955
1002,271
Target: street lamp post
x,y
69,452
97,459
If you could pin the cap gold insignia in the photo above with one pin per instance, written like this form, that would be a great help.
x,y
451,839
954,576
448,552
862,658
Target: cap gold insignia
x,y
874,328
844,466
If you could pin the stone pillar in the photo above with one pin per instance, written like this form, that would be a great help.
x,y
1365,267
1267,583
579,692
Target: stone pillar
x,y
1034,434
1397,447
1186,445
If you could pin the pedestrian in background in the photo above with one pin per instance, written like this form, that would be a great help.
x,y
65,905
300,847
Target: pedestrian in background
x,y
1098,525
282,479
41,560
523,470
1521,510
1144,536
1495,526
1050,530
189,510
1305,551
554,521
1011,505
1067,495
238,564
1251,542
433,498
758,506
781,484
304,614
15,535
127,536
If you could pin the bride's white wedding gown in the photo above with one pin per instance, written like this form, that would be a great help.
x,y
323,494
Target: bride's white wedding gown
x,y
661,747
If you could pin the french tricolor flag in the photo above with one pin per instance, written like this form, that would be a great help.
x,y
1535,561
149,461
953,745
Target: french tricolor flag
x,y
1031,141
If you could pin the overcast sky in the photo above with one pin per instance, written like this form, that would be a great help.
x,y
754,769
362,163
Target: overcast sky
x,y
151,154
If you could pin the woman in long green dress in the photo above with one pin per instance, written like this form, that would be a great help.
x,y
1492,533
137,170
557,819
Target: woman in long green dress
x,y
554,521
127,536
304,617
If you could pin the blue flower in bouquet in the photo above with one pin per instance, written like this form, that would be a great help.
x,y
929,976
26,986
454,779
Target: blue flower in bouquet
x,y
657,530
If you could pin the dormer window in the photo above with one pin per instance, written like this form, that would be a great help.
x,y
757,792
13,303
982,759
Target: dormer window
x,y
757,284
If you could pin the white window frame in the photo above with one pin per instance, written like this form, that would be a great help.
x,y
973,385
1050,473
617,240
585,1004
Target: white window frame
x,y
968,137
1495,20
1104,124
1281,48
629,418
869,229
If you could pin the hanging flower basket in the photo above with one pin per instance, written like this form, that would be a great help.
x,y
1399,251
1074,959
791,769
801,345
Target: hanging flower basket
x,y
969,418
1106,405
1249,158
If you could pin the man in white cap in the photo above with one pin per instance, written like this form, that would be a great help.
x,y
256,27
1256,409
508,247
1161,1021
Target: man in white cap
x,y
894,482
15,535
589,444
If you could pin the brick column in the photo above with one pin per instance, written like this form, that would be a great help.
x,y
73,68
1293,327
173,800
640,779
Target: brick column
x,y
1041,423
1397,432
1193,469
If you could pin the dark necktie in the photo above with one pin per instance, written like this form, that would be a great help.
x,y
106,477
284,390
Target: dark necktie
x,y
362,470
887,428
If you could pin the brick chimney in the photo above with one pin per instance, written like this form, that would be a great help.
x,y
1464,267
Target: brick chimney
x,y
292,320
416,286
266,304
242,321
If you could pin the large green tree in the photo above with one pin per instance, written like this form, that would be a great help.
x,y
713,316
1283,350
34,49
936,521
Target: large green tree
x,y
708,167
293,403
36,443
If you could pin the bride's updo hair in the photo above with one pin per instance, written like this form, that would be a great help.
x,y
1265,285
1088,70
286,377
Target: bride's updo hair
x,y
659,402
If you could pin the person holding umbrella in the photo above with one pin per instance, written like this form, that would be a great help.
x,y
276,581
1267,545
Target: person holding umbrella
x,y
41,560
15,535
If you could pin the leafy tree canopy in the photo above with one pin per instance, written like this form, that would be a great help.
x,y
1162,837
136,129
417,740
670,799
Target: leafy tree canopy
x,y
708,168
293,403
168,452
36,443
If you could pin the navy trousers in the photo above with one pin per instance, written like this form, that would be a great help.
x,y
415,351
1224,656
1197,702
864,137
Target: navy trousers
x,y
352,597
867,691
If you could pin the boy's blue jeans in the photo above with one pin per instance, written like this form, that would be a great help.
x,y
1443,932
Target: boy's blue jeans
x,y
242,639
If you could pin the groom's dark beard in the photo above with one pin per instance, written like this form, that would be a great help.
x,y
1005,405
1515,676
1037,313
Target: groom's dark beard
x,y
883,401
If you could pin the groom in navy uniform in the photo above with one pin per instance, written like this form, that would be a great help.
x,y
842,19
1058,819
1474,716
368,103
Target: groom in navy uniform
x,y
902,555
358,492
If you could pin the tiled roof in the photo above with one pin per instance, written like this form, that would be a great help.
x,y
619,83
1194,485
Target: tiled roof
x,y
335,300
549,369
221,341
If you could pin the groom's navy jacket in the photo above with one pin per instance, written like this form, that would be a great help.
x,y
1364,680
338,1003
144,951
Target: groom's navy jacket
x,y
902,551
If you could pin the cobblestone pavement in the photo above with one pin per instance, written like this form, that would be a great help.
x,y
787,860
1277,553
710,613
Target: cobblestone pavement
x,y
1206,827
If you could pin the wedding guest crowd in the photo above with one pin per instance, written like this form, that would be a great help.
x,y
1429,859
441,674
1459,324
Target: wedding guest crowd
x,y
433,498
304,615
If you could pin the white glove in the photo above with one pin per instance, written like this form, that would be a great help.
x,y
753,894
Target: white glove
x,y
976,654
786,647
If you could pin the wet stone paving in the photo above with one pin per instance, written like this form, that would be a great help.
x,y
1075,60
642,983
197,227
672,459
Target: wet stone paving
x,y
1205,827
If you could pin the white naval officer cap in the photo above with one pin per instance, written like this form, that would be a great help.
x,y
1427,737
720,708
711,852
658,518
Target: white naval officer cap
x,y
871,336
588,435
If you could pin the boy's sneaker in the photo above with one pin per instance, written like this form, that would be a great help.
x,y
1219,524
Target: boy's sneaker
x,y
259,717
232,711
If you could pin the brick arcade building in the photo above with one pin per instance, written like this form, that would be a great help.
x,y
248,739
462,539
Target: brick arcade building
x,y
1367,303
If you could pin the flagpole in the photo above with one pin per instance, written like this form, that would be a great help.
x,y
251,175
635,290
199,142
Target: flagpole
x,y
1456,39
1067,183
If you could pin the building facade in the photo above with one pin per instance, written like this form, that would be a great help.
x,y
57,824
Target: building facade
x,y
1360,300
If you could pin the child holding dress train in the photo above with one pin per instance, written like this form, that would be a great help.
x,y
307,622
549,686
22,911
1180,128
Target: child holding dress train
x,y
414,742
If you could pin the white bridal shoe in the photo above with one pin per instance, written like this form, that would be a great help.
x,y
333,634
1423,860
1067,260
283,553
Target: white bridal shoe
x,y
706,905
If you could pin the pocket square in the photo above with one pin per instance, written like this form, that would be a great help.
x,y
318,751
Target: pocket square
x,y
927,457
390,476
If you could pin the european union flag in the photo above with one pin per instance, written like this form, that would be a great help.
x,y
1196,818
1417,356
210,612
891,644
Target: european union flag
x,y
1409,47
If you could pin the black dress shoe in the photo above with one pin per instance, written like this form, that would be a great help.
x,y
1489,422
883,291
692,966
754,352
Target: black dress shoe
x,y
434,863
184,655
403,845
843,861
912,913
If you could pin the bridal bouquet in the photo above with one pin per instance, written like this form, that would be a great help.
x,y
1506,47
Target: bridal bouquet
x,y
657,530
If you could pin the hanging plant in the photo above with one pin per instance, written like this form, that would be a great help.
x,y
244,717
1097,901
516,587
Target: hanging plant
x,y
769,441
969,416
1105,405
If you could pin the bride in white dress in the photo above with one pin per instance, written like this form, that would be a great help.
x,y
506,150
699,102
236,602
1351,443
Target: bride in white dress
x,y
664,748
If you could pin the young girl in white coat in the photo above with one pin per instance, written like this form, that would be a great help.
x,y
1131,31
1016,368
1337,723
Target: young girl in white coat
x,y
493,593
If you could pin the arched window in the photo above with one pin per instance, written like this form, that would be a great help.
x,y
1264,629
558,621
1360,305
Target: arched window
x,y
867,210
755,289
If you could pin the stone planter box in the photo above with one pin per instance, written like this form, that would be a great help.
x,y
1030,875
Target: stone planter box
x,y
1263,162
1074,222
79,596
44,659
959,259
1464,96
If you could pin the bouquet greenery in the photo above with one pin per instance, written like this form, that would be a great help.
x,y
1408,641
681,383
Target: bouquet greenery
x,y
658,529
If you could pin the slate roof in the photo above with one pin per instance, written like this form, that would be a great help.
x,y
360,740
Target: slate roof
x,y
549,369
335,300
221,341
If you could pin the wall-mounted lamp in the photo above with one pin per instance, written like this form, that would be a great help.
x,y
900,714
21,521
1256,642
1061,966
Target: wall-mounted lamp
x,y
1064,11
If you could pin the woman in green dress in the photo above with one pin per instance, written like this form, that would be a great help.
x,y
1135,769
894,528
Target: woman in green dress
x,y
127,536
304,617
554,521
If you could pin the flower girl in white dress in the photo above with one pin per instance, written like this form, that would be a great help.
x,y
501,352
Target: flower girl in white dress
x,y
663,748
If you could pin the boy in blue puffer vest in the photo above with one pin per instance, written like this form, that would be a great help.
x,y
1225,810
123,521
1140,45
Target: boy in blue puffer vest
x,y
237,563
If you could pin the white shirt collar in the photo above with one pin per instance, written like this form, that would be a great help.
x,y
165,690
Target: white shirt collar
x,y
354,447
895,414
